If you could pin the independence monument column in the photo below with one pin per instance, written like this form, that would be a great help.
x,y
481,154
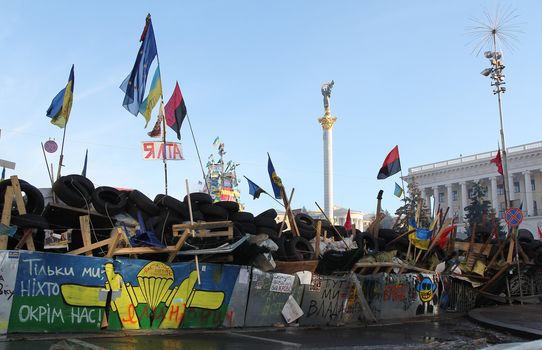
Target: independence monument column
x,y
327,122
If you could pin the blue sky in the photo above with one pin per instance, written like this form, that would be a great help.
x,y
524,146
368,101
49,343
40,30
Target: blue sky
x,y
250,72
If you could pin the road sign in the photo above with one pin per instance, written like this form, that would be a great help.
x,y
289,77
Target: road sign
x,y
513,216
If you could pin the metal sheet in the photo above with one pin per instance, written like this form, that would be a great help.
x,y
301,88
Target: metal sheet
x,y
392,296
235,316
267,298
324,300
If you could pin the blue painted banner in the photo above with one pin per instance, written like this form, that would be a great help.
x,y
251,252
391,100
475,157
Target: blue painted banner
x,y
58,292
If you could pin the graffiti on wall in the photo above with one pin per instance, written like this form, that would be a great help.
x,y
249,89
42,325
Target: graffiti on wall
x,y
157,295
426,288
62,292
39,303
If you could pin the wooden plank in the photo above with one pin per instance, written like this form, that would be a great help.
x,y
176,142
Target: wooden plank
x,y
199,227
18,195
26,239
114,241
90,247
84,221
143,250
317,244
495,277
6,216
511,247
178,246
367,312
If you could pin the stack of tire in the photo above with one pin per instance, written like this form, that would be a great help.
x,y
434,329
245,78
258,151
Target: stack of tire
x,y
532,247
297,248
34,205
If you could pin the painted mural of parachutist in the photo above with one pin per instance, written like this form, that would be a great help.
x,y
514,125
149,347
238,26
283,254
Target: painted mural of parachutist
x,y
326,92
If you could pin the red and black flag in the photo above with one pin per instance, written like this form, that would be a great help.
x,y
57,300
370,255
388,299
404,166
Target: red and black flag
x,y
498,161
176,111
392,164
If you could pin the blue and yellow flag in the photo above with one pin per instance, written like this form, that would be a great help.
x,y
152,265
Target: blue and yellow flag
x,y
254,190
276,182
421,238
152,98
398,191
134,84
61,106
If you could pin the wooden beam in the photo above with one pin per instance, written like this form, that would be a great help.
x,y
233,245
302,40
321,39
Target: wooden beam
x,y
179,245
84,221
90,247
6,216
18,195
114,242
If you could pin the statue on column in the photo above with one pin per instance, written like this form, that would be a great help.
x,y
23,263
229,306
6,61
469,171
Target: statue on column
x,y
326,92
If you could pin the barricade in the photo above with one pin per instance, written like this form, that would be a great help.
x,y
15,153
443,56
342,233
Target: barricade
x,y
268,295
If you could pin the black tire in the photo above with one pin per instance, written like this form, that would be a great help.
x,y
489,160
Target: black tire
x,y
270,232
269,213
211,210
74,190
199,198
242,216
282,254
144,203
265,222
171,203
108,201
34,202
230,206
341,230
525,236
299,249
247,227
304,219
163,227
366,242
307,232
30,221
538,257
132,209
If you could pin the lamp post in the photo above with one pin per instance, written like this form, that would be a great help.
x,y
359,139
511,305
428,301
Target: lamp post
x,y
495,72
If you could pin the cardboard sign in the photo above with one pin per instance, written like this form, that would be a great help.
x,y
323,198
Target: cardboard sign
x,y
282,283
153,150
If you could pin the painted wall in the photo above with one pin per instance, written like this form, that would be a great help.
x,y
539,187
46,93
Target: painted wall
x,y
46,292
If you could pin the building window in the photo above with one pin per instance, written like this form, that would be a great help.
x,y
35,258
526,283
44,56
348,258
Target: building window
x,y
516,187
441,197
533,186
535,208
500,190
454,196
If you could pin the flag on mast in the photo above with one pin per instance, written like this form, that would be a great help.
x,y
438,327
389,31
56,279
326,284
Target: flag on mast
x,y
398,192
175,111
134,85
348,222
391,165
61,106
498,161
254,190
152,98
275,180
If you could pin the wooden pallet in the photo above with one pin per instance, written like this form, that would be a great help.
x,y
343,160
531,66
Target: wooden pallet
x,y
14,192
202,230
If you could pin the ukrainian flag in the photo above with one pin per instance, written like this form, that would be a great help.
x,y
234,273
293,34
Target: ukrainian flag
x,y
152,98
61,106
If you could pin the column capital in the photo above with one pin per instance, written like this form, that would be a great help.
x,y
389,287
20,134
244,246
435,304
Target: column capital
x,y
448,185
327,122
527,172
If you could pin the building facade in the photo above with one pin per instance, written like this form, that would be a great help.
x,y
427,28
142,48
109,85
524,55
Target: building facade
x,y
448,183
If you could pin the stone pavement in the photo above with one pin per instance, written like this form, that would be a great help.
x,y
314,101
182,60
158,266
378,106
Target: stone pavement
x,y
525,319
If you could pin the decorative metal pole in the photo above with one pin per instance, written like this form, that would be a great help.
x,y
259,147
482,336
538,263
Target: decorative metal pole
x,y
497,77
327,122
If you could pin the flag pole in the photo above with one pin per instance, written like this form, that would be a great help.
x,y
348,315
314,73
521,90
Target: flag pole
x,y
199,158
61,158
403,183
47,165
164,160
